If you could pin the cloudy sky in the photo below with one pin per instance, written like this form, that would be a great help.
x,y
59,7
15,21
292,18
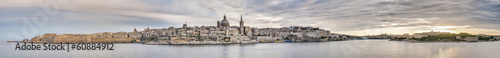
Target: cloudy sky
x,y
27,18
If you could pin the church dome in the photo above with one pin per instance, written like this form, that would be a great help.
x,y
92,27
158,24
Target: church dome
x,y
224,22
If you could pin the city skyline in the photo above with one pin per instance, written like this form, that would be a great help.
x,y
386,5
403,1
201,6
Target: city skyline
x,y
339,16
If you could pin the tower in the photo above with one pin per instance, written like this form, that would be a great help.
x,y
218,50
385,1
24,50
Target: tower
x,y
184,25
147,29
242,27
218,23
241,21
135,30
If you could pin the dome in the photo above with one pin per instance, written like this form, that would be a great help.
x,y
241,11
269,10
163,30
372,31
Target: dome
x,y
224,22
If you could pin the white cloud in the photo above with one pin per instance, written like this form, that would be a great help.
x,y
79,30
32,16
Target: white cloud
x,y
355,17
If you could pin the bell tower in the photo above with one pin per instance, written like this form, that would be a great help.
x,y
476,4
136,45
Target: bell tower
x,y
242,27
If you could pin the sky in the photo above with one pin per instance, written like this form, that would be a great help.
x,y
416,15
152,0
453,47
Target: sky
x,y
24,19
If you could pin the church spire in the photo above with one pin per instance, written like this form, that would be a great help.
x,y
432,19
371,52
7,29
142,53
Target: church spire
x,y
241,19
242,28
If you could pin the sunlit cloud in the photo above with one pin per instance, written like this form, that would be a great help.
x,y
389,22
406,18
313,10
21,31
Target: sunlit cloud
x,y
353,17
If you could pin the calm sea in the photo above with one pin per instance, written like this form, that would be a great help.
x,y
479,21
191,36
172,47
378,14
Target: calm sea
x,y
333,49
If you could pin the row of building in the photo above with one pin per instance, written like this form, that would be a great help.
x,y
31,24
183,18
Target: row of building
x,y
222,32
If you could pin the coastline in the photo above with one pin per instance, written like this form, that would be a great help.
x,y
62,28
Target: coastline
x,y
183,43
409,41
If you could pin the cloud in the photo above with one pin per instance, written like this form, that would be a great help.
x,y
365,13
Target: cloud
x,y
355,17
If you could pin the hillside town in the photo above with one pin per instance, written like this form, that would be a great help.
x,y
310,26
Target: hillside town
x,y
221,33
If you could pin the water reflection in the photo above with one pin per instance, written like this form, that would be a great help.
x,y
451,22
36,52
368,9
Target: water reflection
x,y
207,45
446,53
334,49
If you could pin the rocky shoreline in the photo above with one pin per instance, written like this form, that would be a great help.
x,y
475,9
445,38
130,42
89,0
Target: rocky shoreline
x,y
414,41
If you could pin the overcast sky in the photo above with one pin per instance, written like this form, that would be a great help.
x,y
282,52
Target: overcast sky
x,y
27,18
